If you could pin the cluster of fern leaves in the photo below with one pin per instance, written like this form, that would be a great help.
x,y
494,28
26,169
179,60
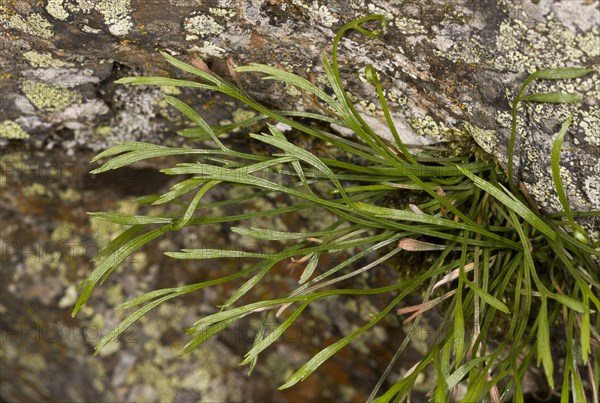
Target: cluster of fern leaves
x,y
497,259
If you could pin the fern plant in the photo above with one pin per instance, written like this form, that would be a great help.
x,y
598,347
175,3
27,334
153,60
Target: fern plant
x,y
495,257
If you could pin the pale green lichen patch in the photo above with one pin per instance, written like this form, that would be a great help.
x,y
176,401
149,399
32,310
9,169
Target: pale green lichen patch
x,y
35,190
63,232
49,98
116,14
590,123
222,12
426,126
240,115
320,13
170,90
37,59
469,52
103,131
486,139
55,9
410,26
33,24
12,130
549,44
208,50
200,25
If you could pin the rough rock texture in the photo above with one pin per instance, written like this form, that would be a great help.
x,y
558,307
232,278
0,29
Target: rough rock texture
x,y
443,63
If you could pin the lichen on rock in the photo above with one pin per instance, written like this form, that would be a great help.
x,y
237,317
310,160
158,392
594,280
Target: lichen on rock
x,y
49,98
12,130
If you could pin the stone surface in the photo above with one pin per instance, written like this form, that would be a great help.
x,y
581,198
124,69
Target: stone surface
x,y
443,63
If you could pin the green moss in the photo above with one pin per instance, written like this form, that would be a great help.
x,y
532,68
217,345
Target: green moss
x,y
12,130
49,98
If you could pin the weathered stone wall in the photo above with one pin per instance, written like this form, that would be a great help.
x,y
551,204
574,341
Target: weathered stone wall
x,y
443,63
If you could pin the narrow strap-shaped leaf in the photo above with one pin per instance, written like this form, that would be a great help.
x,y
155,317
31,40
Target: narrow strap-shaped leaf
x,y
552,97
194,117
260,333
310,268
543,343
288,78
126,219
139,155
562,73
207,76
462,371
194,203
578,231
512,204
116,331
208,333
304,156
111,262
214,254
163,81
272,337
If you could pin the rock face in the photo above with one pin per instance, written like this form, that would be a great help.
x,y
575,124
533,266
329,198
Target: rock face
x,y
443,64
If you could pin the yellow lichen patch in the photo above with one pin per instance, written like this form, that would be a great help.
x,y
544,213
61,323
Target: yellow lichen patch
x,y
426,126
12,130
63,232
33,24
240,115
103,131
170,90
49,98
36,189
45,59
